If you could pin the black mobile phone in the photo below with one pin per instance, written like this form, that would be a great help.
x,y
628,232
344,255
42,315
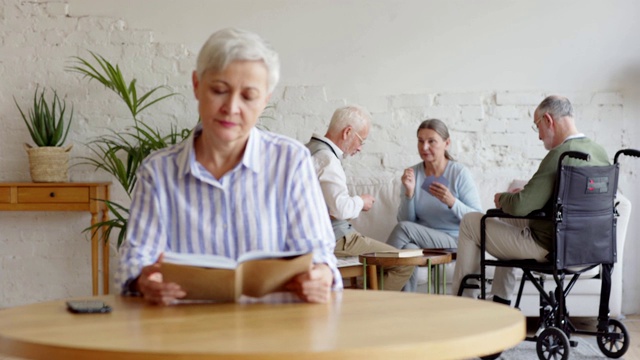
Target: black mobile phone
x,y
88,307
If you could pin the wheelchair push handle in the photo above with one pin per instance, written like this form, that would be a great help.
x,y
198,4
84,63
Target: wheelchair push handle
x,y
576,155
628,152
573,154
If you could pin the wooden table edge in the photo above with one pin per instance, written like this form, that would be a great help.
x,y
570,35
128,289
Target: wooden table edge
x,y
510,336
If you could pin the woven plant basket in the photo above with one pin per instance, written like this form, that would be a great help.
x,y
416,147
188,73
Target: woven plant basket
x,y
48,163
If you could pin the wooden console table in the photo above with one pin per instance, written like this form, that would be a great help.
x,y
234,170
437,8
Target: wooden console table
x,y
70,196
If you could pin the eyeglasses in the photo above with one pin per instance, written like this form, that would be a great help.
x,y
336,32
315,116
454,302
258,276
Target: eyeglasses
x,y
359,138
536,121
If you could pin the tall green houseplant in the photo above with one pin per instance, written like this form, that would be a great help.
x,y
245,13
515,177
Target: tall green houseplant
x,y
120,153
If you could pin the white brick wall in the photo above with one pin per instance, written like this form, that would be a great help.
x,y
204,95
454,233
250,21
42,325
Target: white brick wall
x,y
44,255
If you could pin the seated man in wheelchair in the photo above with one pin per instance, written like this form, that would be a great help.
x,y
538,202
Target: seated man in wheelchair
x,y
515,239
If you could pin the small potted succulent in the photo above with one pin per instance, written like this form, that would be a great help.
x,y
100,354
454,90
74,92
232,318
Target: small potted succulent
x,y
48,126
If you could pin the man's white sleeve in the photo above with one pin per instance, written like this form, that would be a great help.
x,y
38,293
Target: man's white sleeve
x,y
333,182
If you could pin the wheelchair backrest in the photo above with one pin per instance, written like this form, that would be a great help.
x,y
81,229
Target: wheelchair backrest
x,y
584,215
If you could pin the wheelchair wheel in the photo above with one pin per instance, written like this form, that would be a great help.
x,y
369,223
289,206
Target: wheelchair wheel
x,y
614,348
552,344
491,357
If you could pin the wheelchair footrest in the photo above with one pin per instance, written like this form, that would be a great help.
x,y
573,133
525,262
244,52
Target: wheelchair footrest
x,y
573,343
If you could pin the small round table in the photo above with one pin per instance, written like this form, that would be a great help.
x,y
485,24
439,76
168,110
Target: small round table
x,y
430,258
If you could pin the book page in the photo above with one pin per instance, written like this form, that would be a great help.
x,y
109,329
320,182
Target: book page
x,y
400,253
202,283
223,262
516,185
348,261
264,254
261,277
202,260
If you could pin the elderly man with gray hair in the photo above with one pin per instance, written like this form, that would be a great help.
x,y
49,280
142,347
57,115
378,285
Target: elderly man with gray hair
x,y
346,135
515,239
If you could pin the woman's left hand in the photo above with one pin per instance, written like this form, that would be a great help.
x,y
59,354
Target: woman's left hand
x,y
314,285
442,193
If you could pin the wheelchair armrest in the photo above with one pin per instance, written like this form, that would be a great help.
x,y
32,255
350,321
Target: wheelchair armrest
x,y
535,214
495,212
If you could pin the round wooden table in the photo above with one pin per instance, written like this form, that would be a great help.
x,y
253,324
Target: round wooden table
x,y
430,258
355,325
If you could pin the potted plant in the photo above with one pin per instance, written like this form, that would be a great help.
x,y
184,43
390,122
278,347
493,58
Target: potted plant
x,y
48,127
121,151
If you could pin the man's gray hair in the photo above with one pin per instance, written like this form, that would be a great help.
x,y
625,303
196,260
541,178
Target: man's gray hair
x,y
556,106
228,45
350,115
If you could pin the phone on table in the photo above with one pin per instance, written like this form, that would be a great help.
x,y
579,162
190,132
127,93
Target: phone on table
x,y
88,307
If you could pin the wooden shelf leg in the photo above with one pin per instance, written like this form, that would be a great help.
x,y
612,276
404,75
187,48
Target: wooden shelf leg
x,y
105,250
95,238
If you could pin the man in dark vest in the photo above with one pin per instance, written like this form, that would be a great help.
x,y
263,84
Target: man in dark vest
x,y
346,135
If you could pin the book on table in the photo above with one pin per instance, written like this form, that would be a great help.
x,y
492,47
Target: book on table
x,y
221,279
399,253
346,261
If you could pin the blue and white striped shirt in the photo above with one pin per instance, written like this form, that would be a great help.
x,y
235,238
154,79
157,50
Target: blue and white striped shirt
x,y
271,201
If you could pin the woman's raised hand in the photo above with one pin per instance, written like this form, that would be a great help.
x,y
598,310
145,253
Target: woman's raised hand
x,y
409,182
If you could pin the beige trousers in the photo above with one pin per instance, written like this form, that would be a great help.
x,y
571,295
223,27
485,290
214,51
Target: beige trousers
x,y
355,244
508,239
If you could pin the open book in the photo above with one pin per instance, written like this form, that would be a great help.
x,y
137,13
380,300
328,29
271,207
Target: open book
x,y
218,278
400,253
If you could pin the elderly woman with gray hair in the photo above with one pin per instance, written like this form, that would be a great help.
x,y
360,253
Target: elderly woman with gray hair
x,y
436,194
230,188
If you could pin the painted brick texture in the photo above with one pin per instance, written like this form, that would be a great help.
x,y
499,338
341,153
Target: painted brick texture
x,y
45,256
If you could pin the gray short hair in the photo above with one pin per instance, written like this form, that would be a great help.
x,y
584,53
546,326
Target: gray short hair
x,y
350,115
228,45
556,106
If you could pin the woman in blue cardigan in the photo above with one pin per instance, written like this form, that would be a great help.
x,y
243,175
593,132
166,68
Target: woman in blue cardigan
x,y
436,194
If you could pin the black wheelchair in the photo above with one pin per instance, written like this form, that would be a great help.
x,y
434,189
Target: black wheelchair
x,y
583,211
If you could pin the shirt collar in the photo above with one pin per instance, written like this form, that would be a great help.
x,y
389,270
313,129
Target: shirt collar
x,y
336,149
574,136
250,159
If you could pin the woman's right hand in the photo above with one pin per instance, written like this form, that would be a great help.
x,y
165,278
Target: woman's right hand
x,y
154,290
409,182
